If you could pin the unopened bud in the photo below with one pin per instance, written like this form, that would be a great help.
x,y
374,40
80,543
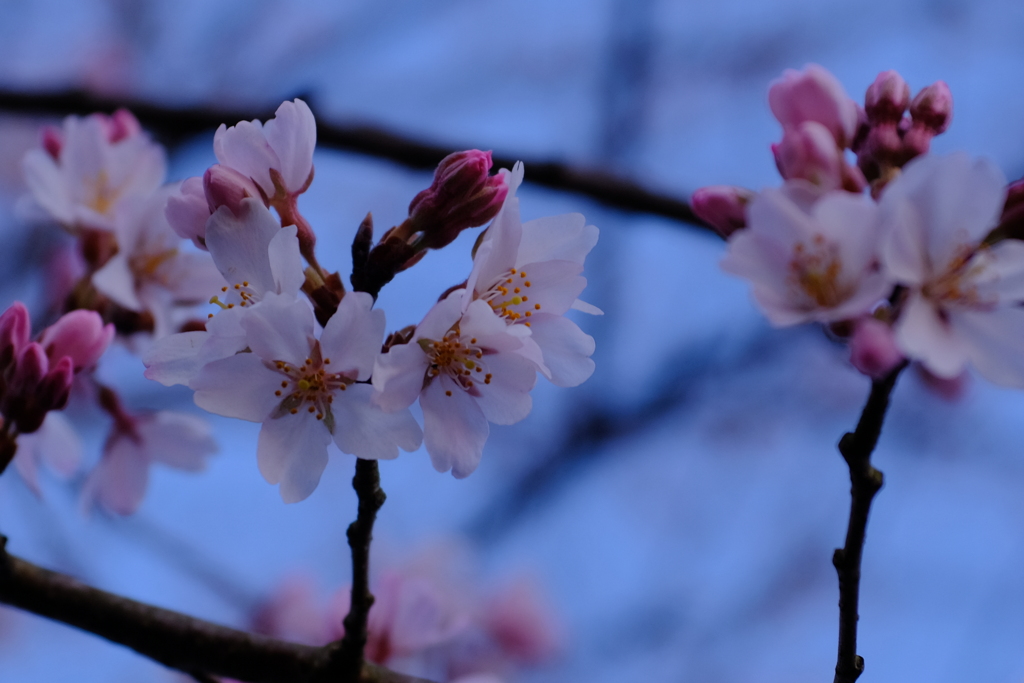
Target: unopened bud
x,y
55,387
887,98
814,94
724,207
120,125
15,328
79,335
224,186
809,151
932,108
53,141
462,196
873,348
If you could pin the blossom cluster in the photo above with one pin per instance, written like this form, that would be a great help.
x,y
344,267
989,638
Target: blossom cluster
x,y
909,254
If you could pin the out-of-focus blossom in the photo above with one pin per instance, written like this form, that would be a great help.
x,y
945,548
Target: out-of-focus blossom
x,y
963,298
809,151
55,443
461,196
873,348
292,613
814,262
522,624
814,94
723,206
530,275
94,167
887,98
119,481
307,391
79,335
466,368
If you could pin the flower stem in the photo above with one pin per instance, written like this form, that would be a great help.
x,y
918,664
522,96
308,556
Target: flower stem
x,y
856,448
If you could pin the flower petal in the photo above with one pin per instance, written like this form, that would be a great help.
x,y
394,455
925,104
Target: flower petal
x,y
286,261
239,386
994,343
115,279
353,335
557,238
244,148
280,328
454,428
365,431
239,246
181,441
923,335
292,136
398,376
566,348
292,451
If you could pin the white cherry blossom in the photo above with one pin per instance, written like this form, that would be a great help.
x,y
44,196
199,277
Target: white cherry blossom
x,y
530,275
963,300
96,167
467,369
810,260
307,391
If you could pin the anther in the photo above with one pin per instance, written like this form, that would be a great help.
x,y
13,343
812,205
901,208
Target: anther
x,y
312,409
536,306
447,393
294,411
277,393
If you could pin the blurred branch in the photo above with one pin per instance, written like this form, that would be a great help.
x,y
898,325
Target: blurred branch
x,y
173,639
174,124
856,448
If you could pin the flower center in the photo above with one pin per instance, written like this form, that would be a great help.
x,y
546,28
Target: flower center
x,y
956,283
310,386
145,265
239,294
508,299
814,272
102,195
458,359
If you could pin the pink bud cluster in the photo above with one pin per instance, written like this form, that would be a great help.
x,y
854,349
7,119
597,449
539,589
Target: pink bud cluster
x,y
36,376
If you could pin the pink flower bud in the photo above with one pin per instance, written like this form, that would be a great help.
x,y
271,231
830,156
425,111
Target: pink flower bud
x,y
814,94
723,206
887,98
809,151
873,348
79,335
120,125
932,108
188,210
55,387
53,141
33,388
15,327
224,186
462,196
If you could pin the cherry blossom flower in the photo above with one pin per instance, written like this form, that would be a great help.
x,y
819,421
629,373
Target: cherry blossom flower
x,y
963,298
93,168
809,261
119,481
255,256
307,391
466,368
529,274
149,272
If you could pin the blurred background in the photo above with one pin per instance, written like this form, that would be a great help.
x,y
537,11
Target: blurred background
x,y
678,512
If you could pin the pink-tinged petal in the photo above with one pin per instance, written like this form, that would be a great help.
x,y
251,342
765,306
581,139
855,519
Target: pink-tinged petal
x,y
353,335
79,335
557,238
240,386
44,180
441,316
567,349
993,342
244,148
286,261
454,428
280,328
190,278
239,246
852,223
175,358
504,236
923,335
292,136
117,281
364,430
873,348
554,286
120,479
814,94
904,249
506,400
181,441
292,451
480,321
1002,274
398,376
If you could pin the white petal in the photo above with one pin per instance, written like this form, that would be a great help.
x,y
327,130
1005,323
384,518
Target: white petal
x,y
441,316
365,431
584,307
567,349
557,238
115,279
904,250
554,285
239,246
239,386
244,148
995,343
922,335
286,261
48,186
191,278
1002,276
398,376
292,451
181,441
175,358
454,428
292,135
353,336
506,400
280,328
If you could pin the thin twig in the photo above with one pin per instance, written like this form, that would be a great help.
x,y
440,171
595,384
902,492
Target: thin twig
x,y
856,448
347,655
174,124
173,639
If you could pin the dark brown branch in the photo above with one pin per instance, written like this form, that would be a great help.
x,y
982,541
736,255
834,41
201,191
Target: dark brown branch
x,y
348,654
856,448
173,639
173,124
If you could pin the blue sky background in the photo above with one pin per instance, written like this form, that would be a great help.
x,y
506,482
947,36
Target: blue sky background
x,y
693,547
